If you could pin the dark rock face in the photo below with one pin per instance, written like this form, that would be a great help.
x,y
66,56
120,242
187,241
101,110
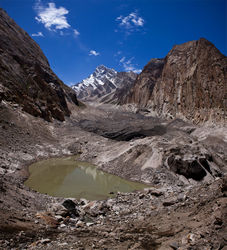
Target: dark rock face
x,y
26,77
190,169
189,83
124,81
142,90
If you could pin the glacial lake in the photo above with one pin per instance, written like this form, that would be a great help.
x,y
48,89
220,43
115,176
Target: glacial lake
x,y
67,177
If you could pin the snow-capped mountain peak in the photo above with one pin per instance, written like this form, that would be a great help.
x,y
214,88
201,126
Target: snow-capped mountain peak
x,y
100,76
101,82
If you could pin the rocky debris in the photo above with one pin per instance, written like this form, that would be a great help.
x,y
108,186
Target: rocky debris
x,y
122,133
168,148
26,77
136,222
124,126
103,85
189,83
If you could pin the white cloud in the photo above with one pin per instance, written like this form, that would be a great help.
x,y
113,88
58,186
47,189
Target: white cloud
x,y
37,34
132,22
128,65
122,59
76,32
53,18
137,71
93,53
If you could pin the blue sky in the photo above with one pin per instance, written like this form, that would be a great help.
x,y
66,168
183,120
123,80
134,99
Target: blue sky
x,y
78,35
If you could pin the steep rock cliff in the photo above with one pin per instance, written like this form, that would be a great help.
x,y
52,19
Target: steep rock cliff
x,y
190,83
26,77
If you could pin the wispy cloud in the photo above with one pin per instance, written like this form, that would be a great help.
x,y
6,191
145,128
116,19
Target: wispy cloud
x,y
128,65
37,34
117,54
132,22
122,59
76,32
51,17
93,53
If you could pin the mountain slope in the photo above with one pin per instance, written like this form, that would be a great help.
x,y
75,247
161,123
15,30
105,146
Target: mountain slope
x,y
26,77
190,83
103,83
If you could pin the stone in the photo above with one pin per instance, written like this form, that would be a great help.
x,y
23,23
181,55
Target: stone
x,y
141,196
45,241
153,191
174,245
62,225
83,201
62,212
181,197
59,217
71,208
64,244
80,223
69,204
89,224
169,202
190,238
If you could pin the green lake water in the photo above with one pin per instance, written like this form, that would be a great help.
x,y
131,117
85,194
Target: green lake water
x,y
67,177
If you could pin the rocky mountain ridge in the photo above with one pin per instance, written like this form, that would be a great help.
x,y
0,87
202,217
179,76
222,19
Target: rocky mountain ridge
x,y
26,77
189,83
102,84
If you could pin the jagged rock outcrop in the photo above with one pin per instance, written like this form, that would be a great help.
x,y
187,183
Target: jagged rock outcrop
x,y
26,77
141,92
102,84
124,82
189,83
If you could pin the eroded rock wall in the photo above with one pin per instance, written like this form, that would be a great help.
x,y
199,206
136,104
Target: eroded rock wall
x,y
190,83
26,77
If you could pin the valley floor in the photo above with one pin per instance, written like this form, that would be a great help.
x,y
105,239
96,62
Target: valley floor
x,y
185,165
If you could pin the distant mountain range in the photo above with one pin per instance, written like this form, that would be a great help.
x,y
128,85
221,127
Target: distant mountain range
x,y
102,84
189,83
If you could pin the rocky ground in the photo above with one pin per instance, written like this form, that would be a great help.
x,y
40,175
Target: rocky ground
x,y
184,164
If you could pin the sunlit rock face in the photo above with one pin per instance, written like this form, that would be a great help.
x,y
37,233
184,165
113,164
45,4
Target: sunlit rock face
x,y
26,77
189,83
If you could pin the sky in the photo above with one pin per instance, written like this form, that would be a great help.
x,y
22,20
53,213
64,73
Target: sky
x,y
78,35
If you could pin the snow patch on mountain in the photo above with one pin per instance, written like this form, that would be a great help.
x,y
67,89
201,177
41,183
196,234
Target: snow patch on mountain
x,y
102,82
99,77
